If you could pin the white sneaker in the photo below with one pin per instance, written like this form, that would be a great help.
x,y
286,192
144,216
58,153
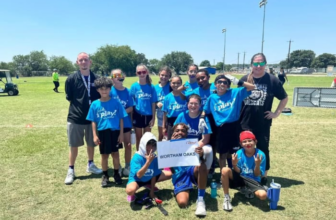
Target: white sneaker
x,y
126,171
93,169
200,208
69,179
227,204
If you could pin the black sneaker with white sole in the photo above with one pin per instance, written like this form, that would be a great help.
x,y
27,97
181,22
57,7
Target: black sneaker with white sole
x,y
105,181
117,179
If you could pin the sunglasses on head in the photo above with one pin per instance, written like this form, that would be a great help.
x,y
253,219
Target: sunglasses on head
x,y
142,72
259,63
223,82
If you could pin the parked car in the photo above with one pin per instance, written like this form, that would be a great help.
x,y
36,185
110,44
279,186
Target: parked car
x,y
302,70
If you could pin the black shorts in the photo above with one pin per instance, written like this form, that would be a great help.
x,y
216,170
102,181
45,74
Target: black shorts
x,y
141,184
241,181
141,121
228,138
213,136
127,130
109,141
170,125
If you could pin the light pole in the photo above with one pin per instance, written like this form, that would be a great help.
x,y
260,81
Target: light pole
x,y
263,3
224,31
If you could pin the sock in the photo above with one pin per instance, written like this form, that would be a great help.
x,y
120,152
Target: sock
x,y
90,162
229,161
105,173
116,172
201,193
72,167
226,195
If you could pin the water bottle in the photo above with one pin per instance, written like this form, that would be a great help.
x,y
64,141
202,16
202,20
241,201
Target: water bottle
x,y
132,137
213,187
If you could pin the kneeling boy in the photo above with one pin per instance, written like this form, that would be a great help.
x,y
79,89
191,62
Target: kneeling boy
x,y
248,167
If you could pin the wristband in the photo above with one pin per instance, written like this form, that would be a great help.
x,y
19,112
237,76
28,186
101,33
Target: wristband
x,y
240,82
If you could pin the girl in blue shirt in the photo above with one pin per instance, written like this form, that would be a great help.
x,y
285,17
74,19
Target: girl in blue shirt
x,y
144,96
173,105
122,94
191,118
225,106
162,90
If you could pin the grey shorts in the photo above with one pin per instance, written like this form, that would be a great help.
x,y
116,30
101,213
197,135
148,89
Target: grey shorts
x,y
76,134
159,114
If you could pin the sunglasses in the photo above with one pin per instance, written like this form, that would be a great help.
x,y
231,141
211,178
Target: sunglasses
x,y
259,64
222,82
142,72
201,78
115,76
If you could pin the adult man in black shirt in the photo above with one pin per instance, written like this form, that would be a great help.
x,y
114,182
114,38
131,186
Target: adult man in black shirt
x,y
80,92
256,114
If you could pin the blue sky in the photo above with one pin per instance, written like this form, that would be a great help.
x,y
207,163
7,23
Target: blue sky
x,y
155,28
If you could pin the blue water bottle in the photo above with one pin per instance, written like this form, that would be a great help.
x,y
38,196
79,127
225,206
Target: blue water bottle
x,y
213,187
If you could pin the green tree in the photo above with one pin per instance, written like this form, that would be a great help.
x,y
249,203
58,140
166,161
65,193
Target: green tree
x,y
323,60
301,58
219,66
21,63
141,58
62,64
110,57
38,61
179,61
205,63
154,65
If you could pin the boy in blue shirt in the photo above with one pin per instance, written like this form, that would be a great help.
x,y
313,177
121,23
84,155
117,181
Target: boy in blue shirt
x,y
144,168
249,165
106,115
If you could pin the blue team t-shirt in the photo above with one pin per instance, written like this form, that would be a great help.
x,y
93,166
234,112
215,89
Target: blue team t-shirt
x,y
212,88
193,125
126,101
226,108
106,114
247,164
190,86
162,92
144,96
173,105
137,163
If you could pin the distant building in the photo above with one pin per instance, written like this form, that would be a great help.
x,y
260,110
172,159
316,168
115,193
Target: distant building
x,y
211,70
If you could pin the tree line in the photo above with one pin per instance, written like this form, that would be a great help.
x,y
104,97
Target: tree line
x,y
109,57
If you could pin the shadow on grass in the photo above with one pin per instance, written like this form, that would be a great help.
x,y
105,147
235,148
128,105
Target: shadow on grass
x,y
284,182
263,205
164,195
90,176
10,96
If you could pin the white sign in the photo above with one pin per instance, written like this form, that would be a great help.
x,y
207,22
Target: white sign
x,y
176,153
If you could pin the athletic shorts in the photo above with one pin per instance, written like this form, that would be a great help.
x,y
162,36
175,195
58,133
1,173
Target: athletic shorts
x,y
109,141
213,136
141,184
76,134
127,130
141,121
170,125
228,138
159,114
185,181
241,181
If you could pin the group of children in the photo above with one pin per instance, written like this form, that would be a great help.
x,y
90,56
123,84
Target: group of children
x,y
208,110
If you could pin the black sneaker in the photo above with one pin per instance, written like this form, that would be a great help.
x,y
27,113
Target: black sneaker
x,y
117,179
105,181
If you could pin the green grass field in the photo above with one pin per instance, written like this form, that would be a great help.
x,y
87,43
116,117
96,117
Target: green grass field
x,y
34,162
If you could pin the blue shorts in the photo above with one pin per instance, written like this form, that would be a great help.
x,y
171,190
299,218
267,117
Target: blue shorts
x,y
185,181
159,114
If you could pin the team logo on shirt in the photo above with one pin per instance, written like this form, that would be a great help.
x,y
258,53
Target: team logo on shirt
x,y
142,95
149,172
122,102
192,131
103,114
246,169
222,106
258,96
177,106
